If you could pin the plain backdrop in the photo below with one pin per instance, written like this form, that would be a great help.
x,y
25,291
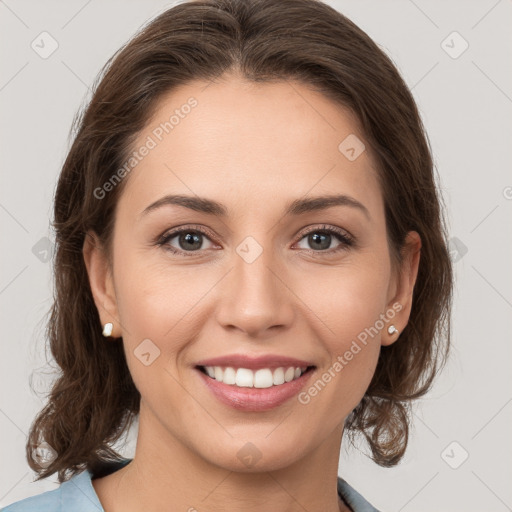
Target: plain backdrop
x,y
455,56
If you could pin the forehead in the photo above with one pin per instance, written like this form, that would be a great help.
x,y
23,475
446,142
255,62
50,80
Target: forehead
x,y
242,142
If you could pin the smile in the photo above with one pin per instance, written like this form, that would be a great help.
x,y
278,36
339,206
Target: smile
x,y
254,390
246,378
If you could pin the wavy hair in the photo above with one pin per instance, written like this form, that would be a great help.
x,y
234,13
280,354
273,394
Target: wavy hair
x,y
94,400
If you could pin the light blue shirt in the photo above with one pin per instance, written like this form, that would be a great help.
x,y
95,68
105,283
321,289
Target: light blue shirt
x,y
78,495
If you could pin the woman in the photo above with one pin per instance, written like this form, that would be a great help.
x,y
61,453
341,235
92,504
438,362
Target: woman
x,y
239,227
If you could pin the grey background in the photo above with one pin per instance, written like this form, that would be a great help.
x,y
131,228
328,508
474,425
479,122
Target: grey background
x,y
466,104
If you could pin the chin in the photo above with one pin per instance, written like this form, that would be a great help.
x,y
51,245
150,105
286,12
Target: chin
x,y
258,455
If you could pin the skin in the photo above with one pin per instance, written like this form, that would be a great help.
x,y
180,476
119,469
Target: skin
x,y
254,148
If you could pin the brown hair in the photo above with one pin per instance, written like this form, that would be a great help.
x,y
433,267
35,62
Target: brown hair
x,y
94,400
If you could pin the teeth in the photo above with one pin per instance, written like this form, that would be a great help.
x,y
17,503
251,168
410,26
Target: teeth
x,y
278,376
245,378
229,376
263,378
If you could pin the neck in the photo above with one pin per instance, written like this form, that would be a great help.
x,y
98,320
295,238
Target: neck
x,y
168,475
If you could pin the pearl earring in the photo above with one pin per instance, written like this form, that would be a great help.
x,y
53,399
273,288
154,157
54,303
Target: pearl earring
x,y
393,330
107,329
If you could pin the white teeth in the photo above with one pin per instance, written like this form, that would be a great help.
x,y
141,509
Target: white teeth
x,y
245,378
263,378
289,374
229,376
278,376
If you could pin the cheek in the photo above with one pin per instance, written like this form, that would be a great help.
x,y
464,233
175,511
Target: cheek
x,y
152,295
346,300
160,303
347,304
156,308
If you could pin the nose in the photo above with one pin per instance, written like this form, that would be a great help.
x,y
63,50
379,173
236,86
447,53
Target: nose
x,y
255,298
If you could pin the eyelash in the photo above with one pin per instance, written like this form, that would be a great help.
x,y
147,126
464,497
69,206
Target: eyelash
x,y
347,241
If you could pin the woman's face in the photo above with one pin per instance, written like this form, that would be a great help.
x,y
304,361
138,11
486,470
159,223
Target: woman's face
x,y
268,271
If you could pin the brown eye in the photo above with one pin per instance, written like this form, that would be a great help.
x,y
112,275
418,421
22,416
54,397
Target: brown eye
x,y
184,240
321,240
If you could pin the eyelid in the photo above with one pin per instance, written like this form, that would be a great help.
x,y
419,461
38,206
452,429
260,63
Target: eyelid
x,y
325,227
171,233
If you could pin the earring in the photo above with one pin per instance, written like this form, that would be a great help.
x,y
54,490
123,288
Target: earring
x,y
107,329
393,330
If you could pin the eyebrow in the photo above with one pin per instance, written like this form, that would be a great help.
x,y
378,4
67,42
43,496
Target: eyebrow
x,y
296,207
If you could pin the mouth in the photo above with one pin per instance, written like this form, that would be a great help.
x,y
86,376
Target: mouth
x,y
254,390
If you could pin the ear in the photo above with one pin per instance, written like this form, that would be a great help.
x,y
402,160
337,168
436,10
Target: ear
x,y
404,281
101,282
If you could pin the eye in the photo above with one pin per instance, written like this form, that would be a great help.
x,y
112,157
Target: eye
x,y
188,240
321,238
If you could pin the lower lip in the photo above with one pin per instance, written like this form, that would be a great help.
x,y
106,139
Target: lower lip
x,y
255,399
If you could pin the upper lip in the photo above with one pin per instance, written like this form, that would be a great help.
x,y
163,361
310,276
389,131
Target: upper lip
x,y
255,363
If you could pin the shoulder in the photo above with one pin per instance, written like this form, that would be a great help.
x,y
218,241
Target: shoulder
x,y
76,494
45,502
353,499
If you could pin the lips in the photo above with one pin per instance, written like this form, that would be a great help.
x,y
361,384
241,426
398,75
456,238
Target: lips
x,y
255,383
